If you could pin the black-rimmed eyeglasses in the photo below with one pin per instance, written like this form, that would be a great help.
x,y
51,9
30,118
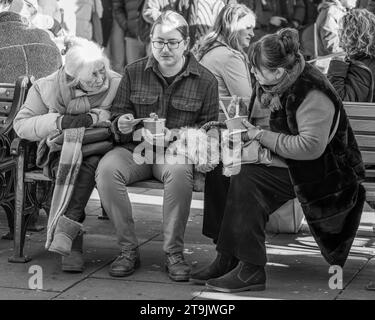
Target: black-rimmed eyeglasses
x,y
173,44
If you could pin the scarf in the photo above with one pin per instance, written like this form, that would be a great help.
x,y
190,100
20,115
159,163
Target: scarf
x,y
73,100
269,96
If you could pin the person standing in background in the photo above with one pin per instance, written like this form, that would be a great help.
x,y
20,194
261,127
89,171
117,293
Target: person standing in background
x,y
126,13
78,16
201,15
107,21
327,25
152,9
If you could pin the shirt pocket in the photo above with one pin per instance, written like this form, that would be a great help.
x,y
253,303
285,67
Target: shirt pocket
x,y
144,104
184,111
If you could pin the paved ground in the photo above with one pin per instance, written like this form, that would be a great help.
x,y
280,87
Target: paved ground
x,y
295,269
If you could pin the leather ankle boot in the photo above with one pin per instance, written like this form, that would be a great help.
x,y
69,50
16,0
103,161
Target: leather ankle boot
x,y
177,267
125,264
220,266
245,277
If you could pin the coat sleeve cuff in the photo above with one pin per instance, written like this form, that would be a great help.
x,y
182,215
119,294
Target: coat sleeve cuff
x,y
269,139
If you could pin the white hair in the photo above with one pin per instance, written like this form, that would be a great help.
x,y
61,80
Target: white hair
x,y
82,53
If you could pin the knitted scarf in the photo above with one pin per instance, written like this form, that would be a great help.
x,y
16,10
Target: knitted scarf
x,y
269,96
73,100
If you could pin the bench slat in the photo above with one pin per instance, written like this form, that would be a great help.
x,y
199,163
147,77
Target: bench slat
x,y
6,93
367,142
360,111
363,126
368,157
36,175
5,107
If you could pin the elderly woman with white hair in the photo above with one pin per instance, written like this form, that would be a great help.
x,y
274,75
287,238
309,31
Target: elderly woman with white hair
x,y
79,94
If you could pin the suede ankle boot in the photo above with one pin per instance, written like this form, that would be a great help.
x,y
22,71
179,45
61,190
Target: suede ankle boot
x,y
74,262
66,231
220,266
245,277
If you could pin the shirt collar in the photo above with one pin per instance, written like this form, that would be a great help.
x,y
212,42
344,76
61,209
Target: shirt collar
x,y
191,68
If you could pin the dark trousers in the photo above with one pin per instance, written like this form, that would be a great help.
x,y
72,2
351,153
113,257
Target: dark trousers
x,y
83,187
215,198
238,218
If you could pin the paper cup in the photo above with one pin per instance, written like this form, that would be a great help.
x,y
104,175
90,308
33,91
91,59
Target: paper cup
x,y
156,127
235,124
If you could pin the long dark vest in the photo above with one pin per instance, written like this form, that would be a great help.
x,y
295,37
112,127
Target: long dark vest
x,y
329,187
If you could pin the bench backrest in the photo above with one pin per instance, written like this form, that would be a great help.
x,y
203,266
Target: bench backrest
x,y
362,119
12,96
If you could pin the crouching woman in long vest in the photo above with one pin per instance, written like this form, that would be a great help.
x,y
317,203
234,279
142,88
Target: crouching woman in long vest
x,y
310,133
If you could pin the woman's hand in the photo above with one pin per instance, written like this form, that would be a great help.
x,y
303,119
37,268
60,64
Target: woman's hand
x,y
251,132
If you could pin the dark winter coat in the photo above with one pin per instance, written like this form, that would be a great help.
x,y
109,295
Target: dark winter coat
x,y
25,50
126,13
329,187
353,79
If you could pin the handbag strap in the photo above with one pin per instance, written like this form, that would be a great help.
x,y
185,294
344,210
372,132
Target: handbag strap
x,y
334,128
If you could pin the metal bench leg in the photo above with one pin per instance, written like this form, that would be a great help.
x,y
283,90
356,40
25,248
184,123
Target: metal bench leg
x,y
9,210
19,218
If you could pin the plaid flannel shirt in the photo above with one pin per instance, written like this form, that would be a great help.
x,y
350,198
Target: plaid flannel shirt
x,y
190,101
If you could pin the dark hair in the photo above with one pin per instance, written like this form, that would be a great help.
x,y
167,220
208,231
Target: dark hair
x,y
6,2
172,18
278,50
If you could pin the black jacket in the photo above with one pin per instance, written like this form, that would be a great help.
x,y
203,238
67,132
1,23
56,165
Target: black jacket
x,y
126,13
329,187
353,79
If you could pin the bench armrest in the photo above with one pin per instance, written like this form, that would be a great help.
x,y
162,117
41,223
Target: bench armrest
x,y
18,145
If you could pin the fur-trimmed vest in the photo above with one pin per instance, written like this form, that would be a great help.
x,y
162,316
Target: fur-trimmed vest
x,y
329,187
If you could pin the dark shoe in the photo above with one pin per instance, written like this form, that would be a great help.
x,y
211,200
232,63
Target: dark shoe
x,y
243,278
66,231
74,262
177,268
125,264
220,266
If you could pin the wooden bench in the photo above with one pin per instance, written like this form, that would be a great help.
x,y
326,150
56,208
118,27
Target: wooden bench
x,y
12,96
362,119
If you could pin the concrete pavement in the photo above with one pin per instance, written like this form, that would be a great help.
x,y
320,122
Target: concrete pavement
x,y
295,271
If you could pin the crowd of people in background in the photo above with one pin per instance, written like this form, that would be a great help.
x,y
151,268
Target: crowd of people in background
x,y
122,27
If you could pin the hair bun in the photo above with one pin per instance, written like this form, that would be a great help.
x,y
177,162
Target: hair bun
x,y
289,41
